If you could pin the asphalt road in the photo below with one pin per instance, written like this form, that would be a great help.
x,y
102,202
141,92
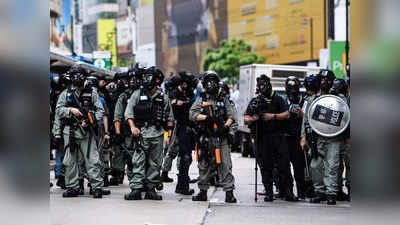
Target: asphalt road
x,y
180,210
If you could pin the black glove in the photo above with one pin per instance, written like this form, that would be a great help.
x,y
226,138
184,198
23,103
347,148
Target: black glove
x,y
118,139
58,140
222,131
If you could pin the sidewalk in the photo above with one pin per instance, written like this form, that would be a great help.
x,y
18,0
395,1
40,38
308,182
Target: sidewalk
x,y
180,210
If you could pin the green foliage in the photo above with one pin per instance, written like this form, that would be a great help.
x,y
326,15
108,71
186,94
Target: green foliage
x,y
227,59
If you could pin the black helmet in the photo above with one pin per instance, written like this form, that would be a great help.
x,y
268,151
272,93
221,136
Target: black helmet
x,y
122,80
55,82
157,75
176,81
91,81
327,74
190,80
210,82
327,77
292,87
339,87
224,88
312,82
264,86
152,77
135,79
78,75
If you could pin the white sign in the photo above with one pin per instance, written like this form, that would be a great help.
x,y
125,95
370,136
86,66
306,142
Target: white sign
x,y
124,35
105,7
102,54
78,39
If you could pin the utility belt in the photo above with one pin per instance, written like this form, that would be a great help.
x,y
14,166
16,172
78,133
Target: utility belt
x,y
157,124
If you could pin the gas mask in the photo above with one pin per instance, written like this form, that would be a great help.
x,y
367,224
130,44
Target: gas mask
x,y
326,85
264,88
148,81
212,87
78,80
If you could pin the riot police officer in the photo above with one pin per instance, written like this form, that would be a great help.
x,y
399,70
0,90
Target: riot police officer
x,y
56,88
80,109
181,103
325,162
295,101
123,136
173,149
312,85
340,88
265,114
149,115
215,117
118,162
92,83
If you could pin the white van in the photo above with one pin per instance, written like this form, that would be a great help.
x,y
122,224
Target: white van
x,y
247,88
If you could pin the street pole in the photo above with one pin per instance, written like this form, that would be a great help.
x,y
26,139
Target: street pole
x,y
347,39
311,39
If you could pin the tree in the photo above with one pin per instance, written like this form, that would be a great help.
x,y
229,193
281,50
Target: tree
x,y
227,59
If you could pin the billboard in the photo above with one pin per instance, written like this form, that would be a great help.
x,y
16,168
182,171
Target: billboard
x,y
89,38
60,28
106,38
285,31
124,36
186,29
337,55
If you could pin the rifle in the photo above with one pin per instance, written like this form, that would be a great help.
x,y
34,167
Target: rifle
x,y
312,141
216,143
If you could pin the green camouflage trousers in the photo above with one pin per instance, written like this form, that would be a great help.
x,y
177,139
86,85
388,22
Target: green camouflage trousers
x,y
146,163
73,163
325,168
208,165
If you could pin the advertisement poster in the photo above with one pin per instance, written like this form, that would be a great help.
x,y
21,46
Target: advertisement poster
x,y
187,29
283,31
337,55
61,34
124,36
106,38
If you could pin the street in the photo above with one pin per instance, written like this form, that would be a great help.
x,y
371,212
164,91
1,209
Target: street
x,y
180,210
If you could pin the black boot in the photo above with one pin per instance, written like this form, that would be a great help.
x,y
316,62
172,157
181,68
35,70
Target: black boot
x,y
201,196
331,199
152,195
121,177
290,197
319,197
134,195
269,193
70,193
341,196
229,198
114,181
160,186
188,191
98,193
61,182
106,181
165,178
182,187
103,191
81,190
268,198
